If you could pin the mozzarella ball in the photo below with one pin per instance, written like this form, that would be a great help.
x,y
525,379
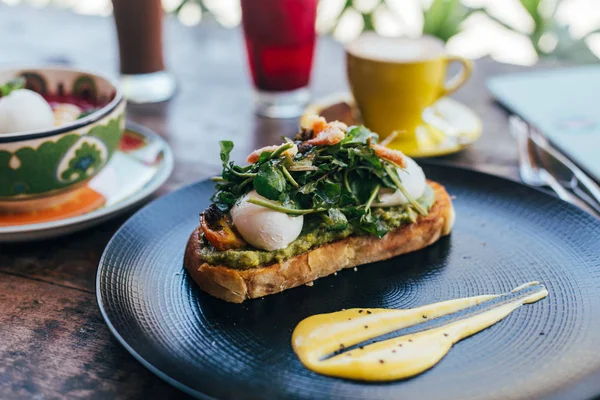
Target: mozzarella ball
x,y
264,228
24,110
413,180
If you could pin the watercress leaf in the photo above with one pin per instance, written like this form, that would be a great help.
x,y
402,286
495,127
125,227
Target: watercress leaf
x,y
326,167
373,225
362,188
264,156
308,188
224,200
347,198
226,147
387,182
336,220
328,192
270,182
338,163
358,135
367,154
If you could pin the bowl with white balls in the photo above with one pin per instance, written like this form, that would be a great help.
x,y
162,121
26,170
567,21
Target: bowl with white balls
x,y
58,128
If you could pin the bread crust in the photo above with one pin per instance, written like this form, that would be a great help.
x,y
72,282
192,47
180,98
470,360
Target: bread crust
x,y
238,285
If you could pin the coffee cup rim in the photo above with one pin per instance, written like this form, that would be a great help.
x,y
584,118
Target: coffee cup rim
x,y
439,55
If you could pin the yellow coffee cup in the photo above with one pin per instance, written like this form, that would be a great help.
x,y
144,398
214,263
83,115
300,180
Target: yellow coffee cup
x,y
394,80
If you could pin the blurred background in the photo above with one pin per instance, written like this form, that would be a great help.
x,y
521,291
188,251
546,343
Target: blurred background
x,y
512,31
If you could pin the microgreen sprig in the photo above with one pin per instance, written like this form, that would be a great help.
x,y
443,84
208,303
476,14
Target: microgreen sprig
x,y
340,183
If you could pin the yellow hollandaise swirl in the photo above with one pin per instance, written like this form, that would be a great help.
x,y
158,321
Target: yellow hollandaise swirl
x,y
340,344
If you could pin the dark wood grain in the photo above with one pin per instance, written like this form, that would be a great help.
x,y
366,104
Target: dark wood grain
x,y
56,345
53,342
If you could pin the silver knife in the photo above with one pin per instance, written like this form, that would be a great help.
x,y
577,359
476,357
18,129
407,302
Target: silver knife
x,y
566,172
533,172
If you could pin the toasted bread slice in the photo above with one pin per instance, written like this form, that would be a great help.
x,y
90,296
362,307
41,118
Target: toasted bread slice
x,y
236,286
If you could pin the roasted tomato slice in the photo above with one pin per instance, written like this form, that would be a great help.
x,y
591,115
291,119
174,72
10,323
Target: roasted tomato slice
x,y
218,231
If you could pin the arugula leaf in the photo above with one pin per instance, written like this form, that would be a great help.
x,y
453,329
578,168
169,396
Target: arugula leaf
x,y
270,182
336,220
226,147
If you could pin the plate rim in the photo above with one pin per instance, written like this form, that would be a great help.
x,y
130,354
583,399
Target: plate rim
x,y
41,230
586,384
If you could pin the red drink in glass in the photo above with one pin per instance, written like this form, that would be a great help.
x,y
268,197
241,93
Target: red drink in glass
x,y
280,41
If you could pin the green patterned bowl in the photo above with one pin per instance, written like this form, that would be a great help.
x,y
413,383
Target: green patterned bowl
x,y
43,168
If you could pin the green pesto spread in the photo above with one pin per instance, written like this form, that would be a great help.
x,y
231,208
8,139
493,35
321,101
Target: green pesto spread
x,y
314,234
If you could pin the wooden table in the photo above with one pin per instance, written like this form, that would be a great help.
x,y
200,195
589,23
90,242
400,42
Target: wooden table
x,y
53,341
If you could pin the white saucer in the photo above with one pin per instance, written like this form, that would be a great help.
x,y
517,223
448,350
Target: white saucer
x,y
448,125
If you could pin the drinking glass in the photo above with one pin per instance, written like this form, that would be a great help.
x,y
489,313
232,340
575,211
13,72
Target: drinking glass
x,y
144,78
280,40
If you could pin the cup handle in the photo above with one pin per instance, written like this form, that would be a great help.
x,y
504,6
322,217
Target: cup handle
x,y
459,79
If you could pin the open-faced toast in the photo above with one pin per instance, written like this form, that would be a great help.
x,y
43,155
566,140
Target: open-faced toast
x,y
236,285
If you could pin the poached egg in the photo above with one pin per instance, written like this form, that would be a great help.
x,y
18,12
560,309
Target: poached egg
x,y
24,110
262,227
413,180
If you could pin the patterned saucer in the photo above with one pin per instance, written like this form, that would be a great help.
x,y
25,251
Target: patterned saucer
x,y
141,164
448,125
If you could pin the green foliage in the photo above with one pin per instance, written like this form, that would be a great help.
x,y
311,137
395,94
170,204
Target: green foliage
x,y
270,182
444,18
567,48
338,184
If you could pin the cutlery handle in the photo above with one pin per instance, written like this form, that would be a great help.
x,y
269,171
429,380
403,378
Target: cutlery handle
x,y
592,188
565,194
520,130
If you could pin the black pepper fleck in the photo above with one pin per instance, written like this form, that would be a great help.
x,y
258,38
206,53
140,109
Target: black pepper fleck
x,y
541,333
381,361
366,326
445,334
342,346
410,340
360,311
393,351
425,316
400,345
368,312
361,347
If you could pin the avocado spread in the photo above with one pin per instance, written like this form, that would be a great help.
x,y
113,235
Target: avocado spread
x,y
314,233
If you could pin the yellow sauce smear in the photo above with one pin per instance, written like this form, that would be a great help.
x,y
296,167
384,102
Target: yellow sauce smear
x,y
318,337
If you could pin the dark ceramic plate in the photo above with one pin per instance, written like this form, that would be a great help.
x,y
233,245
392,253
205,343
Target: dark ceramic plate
x,y
506,234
